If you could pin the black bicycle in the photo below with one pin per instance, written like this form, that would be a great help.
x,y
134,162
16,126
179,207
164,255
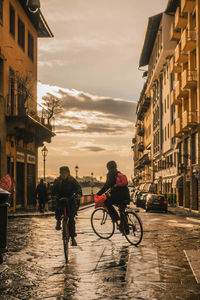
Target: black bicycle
x,y
130,224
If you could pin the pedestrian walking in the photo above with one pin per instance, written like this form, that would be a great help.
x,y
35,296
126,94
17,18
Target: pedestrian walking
x,y
41,194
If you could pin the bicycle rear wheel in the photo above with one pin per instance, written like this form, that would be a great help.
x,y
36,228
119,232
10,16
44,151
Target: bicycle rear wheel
x,y
65,227
135,233
102,224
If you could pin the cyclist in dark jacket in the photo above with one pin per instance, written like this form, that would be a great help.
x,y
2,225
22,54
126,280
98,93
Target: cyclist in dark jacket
x,y
119,194
65,186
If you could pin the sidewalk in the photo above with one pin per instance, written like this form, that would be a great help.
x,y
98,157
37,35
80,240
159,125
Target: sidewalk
x,y
188,214
30,214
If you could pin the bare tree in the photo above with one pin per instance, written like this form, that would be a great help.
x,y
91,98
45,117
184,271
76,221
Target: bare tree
x,y
53,104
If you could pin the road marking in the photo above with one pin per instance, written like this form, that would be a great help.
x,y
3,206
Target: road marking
x,y
143,265
193,257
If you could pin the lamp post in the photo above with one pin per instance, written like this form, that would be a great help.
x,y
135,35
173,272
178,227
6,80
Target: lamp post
x,y
92,183
76,170
44,154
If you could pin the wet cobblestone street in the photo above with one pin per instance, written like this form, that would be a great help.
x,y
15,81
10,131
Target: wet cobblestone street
x,y
34,267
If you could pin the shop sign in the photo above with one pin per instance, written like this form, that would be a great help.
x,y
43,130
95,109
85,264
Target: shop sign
x,y
31,159
20,157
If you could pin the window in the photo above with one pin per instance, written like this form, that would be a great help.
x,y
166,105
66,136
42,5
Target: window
x,y
168,130
1,12
21,33
1,76
168,101
30,46
194,150
12,21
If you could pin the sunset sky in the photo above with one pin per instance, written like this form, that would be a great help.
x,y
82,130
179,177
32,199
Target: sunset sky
x,y
91,64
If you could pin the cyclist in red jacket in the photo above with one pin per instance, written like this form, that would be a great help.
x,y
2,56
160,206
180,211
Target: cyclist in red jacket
x,y
119,194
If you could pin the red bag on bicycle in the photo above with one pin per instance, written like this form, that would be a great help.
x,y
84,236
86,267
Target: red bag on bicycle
x,y
99,200
121,179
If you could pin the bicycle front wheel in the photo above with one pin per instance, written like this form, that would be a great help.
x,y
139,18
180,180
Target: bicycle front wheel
x,y
102,224
135,233
65,237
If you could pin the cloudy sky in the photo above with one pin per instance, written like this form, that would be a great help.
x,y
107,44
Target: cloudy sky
x,y
91,64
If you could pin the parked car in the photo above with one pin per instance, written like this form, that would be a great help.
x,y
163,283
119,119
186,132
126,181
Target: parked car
x,y
140,199
156,202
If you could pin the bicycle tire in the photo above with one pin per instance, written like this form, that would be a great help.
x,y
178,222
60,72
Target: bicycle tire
x,y
135,233
102,224
65,237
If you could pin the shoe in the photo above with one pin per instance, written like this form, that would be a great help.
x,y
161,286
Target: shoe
x,y
74,243
58,225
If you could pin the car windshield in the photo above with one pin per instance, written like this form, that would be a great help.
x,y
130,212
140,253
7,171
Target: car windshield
x,y
160,198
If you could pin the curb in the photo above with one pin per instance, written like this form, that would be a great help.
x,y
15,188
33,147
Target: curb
x,y
41,215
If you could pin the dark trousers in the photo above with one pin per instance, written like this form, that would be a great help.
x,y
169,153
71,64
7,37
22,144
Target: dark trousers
x,y
111,210
41,204
71,213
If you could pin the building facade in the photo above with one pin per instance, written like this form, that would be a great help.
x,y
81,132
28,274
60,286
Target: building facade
x,y
171,53
23,126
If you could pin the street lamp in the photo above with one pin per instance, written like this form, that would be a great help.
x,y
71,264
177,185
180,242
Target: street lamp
x,y
76,170
44,154
92,183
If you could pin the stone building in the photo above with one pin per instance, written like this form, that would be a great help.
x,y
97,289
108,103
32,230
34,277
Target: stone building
x,y
171,53
23,127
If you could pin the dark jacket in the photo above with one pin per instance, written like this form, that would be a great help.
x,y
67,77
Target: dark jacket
x,y
41,192
118,193
66,187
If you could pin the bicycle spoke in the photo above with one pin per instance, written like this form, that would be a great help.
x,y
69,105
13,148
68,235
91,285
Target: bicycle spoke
x,y
135,233
102,223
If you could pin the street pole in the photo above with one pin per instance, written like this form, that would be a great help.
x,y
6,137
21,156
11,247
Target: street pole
x,y
44,154
92,183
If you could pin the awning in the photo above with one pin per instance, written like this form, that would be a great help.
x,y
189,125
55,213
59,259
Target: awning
x,y
142,186
177,182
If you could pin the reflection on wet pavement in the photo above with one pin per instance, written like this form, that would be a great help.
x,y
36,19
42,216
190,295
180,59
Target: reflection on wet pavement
x,y
34,267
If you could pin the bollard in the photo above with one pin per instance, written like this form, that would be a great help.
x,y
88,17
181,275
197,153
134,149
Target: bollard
x,y
4,197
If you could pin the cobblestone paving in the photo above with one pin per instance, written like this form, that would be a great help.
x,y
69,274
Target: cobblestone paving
x,y
34,267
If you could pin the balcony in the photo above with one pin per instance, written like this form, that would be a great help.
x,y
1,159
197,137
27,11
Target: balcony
x,y
173,130
174,100
180,56
180,21
142,107
189,79
25,123
174,67
188,40
140,130
140,147
189,119
175,34
179,93
178,126
187,6
134,140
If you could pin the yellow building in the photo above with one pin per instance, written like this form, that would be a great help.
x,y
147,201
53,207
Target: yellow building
x,y
171,51
23,127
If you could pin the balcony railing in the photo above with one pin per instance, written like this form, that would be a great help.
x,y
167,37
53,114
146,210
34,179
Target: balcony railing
x,y
140,147
140,130
174,67
189,79
174,100
178,126
189,119
180,56
28,109
188,40
175,34
179,92
187,6
180,21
